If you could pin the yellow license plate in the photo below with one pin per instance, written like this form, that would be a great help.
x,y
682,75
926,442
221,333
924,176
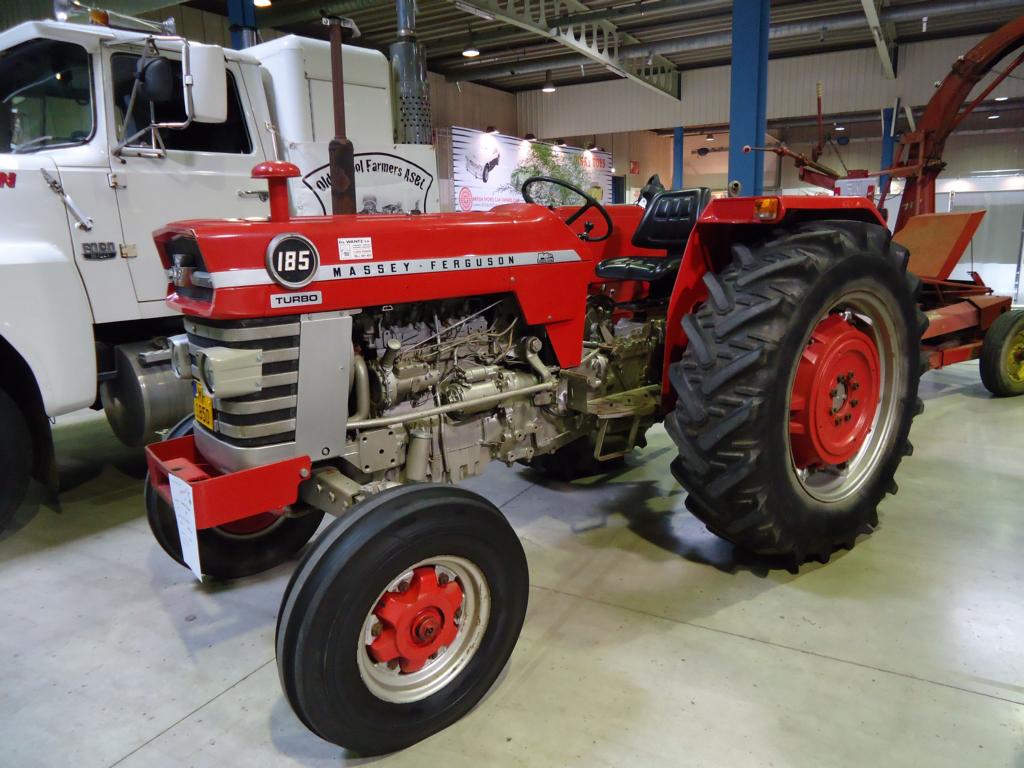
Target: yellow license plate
x,y
202,406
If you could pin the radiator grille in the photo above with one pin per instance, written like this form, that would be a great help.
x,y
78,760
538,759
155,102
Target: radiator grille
x,y
266,417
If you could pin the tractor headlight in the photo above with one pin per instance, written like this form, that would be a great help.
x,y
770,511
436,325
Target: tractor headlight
x,y
226,372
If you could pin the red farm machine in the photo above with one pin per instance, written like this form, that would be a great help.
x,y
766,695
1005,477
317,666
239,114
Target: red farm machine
x,y
357,366
966,319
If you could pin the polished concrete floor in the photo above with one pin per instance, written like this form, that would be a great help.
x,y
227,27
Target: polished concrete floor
x,y
647,643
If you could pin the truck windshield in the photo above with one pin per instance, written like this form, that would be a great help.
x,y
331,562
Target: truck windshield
x,y
45,96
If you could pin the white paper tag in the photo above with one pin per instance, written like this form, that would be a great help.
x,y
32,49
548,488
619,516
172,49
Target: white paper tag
x,y
355,248
184,512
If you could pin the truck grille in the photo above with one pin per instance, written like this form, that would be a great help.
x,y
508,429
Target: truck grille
x,y
266,417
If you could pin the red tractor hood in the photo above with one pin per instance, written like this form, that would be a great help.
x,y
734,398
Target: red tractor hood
x,y
367,261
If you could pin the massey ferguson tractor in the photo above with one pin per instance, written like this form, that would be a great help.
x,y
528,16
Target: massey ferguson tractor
x,y
360,366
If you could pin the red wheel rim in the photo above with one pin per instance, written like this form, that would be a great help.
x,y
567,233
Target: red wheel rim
x,y
417,622
835,395
248,526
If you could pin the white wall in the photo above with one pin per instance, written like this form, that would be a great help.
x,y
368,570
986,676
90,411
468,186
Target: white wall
x,y
852,82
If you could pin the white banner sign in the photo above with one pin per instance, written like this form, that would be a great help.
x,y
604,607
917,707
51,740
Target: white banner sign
x,y
489,170
401,181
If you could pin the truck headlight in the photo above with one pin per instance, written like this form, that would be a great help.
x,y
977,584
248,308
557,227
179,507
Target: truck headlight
x,y
226,372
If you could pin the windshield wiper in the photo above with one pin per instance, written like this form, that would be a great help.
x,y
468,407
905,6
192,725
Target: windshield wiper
x,y
30,144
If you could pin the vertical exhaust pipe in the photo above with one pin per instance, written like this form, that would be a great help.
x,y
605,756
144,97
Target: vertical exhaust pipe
x,y
409,80
340,150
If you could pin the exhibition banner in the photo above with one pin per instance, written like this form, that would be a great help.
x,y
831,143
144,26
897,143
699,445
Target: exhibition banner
x,y
489,169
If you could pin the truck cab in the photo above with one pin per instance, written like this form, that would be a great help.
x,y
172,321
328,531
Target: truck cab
x,y
85,178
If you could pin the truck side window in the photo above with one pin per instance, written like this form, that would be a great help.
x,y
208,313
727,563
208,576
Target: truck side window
x,y
45,96
229,137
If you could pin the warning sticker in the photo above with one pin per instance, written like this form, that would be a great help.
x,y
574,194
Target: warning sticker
x,y
355,248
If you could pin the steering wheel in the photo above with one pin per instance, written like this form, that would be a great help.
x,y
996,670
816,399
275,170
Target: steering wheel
x,y
590,203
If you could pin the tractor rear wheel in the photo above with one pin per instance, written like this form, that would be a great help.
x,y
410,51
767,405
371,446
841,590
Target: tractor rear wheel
x,y
797,389
1002,355
401,616
242,548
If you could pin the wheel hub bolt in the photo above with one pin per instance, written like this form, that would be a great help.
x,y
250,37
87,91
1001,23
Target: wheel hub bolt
x,y
846,417
376,629
442,579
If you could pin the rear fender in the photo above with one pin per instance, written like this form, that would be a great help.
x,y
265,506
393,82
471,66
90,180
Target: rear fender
x,y
724,223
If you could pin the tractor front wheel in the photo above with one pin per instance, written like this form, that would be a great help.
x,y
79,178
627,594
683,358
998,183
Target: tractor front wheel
x,y
797,389
1002,355
400,617
242,548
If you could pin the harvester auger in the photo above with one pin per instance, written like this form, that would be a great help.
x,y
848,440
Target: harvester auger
x,y
357,366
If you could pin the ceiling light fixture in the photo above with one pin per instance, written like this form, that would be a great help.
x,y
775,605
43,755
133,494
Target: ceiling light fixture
x,y
472,9
840,127
993,117
261,3
549,84
1002,98
709,137
470,51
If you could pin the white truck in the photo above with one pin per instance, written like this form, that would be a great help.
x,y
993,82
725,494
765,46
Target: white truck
x,y
107,134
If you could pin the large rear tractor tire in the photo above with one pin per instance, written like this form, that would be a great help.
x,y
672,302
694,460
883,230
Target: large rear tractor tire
x,y
797,389
401,616
15,460
243,548
1002,355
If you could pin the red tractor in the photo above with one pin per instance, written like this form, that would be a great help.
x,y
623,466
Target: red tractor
x,y
358,366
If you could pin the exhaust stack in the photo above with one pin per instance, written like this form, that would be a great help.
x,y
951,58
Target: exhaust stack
x,y
340,150
409,78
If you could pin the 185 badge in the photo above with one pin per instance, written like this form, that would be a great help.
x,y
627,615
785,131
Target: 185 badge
x,y
292,261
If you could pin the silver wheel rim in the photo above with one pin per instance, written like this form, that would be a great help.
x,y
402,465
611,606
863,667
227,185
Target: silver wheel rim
x,y
872,315
397,687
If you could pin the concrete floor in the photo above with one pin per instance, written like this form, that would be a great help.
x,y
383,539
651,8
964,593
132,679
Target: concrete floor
x,y
647,643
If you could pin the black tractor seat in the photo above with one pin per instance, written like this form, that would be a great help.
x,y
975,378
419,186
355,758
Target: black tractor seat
x,y
666,225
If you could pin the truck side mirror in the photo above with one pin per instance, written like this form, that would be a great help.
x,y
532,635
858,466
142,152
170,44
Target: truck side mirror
x,y
204,74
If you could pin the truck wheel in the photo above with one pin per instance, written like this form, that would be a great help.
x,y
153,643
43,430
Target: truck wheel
x,y
797,389
15,460
238,549
1002,355
401,616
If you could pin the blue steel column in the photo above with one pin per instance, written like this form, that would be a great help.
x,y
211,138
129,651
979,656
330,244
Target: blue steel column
x,y
677,158
748,95
242,17
888,145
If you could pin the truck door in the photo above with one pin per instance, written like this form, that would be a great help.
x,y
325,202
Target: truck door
x,y
200,174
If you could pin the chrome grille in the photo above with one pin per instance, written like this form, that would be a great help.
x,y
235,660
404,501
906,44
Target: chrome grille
x,y
266,417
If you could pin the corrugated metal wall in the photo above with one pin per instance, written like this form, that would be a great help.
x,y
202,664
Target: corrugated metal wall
x,y
852,80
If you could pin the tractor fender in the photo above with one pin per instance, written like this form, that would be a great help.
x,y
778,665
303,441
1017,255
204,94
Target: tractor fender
x,y
46,321
728,221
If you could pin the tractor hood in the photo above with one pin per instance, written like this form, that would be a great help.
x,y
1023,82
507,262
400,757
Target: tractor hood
x,y
240,268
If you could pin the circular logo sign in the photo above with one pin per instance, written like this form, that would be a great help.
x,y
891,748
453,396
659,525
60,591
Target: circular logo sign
x,y
292,261
466,199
